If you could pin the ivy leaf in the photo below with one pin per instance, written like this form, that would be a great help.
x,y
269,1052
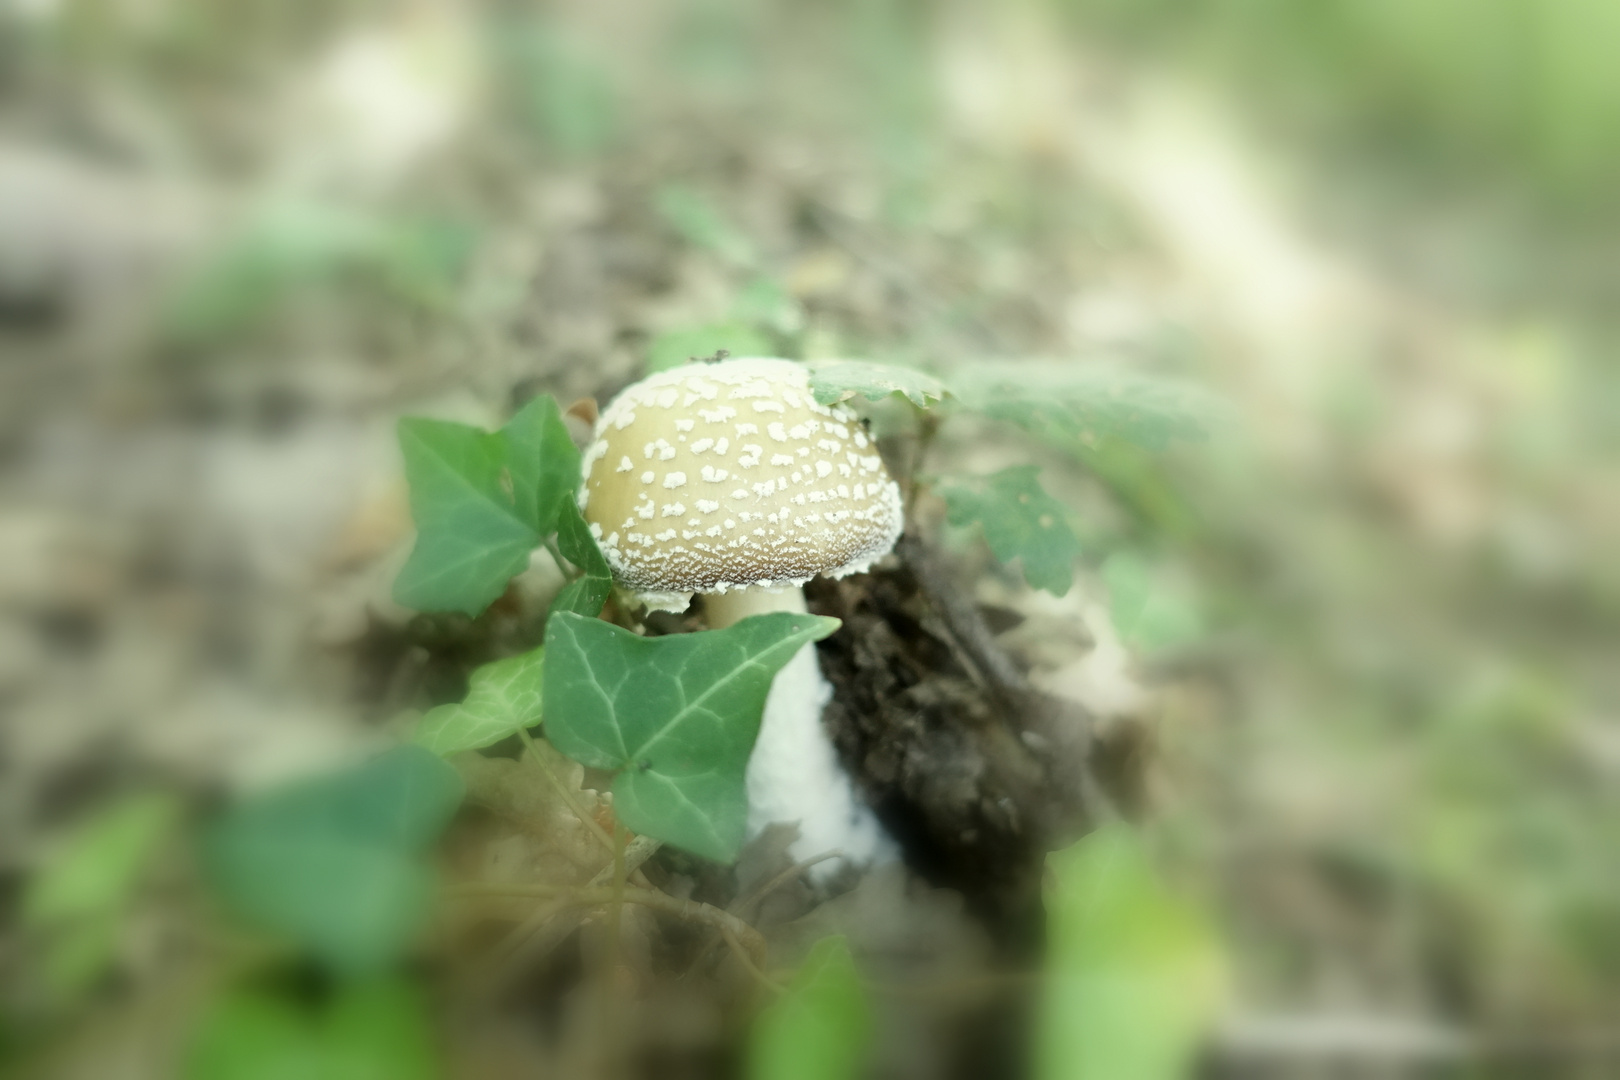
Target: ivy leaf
x,y
1088,402
481,503
334,863
677,715
543,462
1133,973
820,1028
370,1031
586,594
1020,521
504,696
843,379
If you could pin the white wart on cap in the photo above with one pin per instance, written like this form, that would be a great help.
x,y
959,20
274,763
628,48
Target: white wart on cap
x,y
719,476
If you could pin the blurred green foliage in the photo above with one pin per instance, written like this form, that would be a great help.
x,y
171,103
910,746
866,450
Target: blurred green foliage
x,y
1527,85
699,222
1148,612
336,864
1068,403
363,1031
842,380
294,246
1020,521
78,900
676,347
821,1027
1133,973
561,92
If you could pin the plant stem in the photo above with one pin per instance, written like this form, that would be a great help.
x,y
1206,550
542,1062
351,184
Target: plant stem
x,y
568,570
756,895
742,937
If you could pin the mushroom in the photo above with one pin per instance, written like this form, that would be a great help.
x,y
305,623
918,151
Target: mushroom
x,y
730,480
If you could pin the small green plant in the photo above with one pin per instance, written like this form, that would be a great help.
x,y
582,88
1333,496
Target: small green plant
x,y
674,717
338,866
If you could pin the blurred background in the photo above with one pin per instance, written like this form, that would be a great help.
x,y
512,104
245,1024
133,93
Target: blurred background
x,y
1366,634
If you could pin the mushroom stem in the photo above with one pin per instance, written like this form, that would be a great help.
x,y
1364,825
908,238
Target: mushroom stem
x,y
794,775
734,605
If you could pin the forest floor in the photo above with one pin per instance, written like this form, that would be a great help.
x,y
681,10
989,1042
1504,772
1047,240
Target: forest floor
x,y
1353,654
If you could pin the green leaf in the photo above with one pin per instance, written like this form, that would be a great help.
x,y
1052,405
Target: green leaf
x,y
841,380
481,503
543,462
766,302
1088,402
370,1031
77,901
1133,973
1020,521
1147,613
289,245
335,862
675,347
820,1028
586,594
504,696
677,714
97,869
700,222
563,91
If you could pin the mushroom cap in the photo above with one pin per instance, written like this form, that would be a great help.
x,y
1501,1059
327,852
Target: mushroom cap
x,y
725,475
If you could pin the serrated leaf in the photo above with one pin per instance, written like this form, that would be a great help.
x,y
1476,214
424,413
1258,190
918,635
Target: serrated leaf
x,y
676,347
481,501
820,1028
677,715
334,863
371,1031
586,594
1133,973
1087,402
841,380
504,696
1020,521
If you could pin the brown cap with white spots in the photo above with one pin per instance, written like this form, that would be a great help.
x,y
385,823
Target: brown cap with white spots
x,y
718,476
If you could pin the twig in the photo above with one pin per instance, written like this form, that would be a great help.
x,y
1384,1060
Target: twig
x,y
737,933
759,893
525,939
757,973
975,646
